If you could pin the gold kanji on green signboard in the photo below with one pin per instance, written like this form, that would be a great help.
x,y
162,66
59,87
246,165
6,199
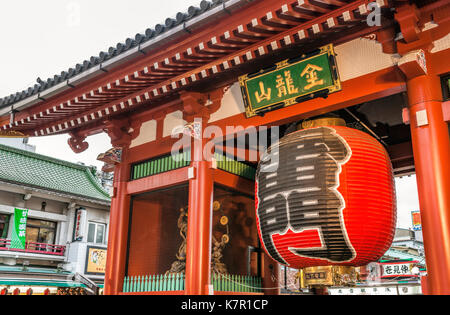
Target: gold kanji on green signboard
x,y
312,78
285,85
263,94
272,89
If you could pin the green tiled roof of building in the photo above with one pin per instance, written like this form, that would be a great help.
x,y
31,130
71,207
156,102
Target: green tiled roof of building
x,y
42,172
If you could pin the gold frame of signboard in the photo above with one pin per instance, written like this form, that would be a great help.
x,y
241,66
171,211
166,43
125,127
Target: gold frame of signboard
x,y
333,87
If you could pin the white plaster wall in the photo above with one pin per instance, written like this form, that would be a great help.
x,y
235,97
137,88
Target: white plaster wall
x,y
232,104
441,44
147,134
361,56
172,121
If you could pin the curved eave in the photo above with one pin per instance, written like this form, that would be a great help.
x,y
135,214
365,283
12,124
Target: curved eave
x,y
239,40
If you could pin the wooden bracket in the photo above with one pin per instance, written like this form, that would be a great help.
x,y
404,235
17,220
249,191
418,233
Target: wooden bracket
x,y
408,16
77,142
119,132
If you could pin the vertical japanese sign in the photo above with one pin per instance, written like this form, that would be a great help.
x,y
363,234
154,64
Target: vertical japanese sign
x,y
18,238
290,82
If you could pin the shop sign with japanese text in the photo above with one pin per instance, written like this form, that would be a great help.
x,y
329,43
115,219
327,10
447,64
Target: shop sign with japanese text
x,y
401,269
291,81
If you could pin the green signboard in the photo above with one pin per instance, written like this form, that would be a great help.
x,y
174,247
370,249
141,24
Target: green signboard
x,y
292,81
18,238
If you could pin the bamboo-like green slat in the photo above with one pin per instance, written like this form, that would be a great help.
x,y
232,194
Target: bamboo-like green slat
x,y
152,169
132,288
158,166
134,172
141,171
124,288
178,161
138,284
152,283
225,283
164,164
182,282
169,283
164,288
145,284
240,282
215,282
177,282
174,283
149,168
144,172
138,169
171,163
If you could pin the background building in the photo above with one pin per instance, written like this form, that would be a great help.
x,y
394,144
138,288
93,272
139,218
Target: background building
x,y
66,227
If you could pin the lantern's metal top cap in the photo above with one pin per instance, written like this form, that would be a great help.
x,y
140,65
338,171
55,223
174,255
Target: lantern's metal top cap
x,y
321,122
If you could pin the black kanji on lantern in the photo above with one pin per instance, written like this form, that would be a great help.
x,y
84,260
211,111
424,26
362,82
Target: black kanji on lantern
x,y
299,192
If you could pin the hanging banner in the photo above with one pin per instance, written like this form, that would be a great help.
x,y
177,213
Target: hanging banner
x,y
18,238
291,81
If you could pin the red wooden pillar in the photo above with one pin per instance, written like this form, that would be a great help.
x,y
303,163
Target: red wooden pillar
x,y
271,276
118,232
431,146
198,248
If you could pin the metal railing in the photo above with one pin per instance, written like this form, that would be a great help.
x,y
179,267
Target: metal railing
x,y
35,248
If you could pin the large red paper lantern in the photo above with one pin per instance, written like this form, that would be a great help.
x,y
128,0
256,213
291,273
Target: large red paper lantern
x,y
326,196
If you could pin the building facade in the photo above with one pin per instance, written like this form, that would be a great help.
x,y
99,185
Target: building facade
x,y
66,223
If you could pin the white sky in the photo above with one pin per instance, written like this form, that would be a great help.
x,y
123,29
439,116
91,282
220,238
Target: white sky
x,y
42,38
